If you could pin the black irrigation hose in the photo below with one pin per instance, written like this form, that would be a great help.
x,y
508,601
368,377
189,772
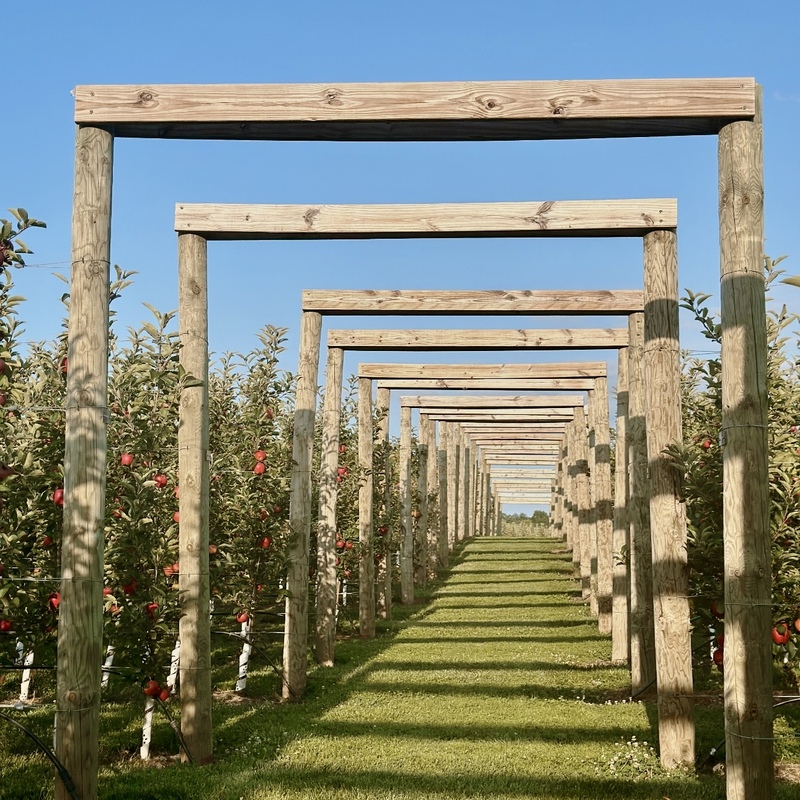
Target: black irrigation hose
x,y
65,777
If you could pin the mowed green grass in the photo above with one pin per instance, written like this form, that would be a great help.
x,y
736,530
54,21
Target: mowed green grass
x,y
496,685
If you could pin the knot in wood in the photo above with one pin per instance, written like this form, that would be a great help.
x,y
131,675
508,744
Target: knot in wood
x,y
196,289
72,697
753,711
745,200
145,97
332,97
96,268
558,111
85,397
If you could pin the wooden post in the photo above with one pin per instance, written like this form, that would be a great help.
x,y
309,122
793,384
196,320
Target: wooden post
x,y
421,573
80,630
328,492
295,641
452,486
433,498
383,585
620,650
407,540
583,500
466,486
603,506
642,638
194,625
574,509
748,651
443,550
592,520
366,559
667,511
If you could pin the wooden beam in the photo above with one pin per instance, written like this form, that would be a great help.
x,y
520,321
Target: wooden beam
x,y
438,111
541,219
366,559
489,402
487,384
495,302
471,339
583,369
496,415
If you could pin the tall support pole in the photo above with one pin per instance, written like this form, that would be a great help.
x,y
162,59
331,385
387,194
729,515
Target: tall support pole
x,y
328,492
466,487
460,485
383,584
572,482
194,625
620,651
642,639
583,500
487,506
295,641
590,430
498,517
748,668
366,557
452,485
407,540
432,490
444,498
667,511
421,567
80,632
603,506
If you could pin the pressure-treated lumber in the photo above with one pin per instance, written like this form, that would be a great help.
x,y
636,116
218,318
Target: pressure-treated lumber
x,y
473,401
500,415
746,503
643,664
193,539
620,650
514,436
443,551
590,422
383,584
667,510
295,643
603,507
453,465
407,532
472,302
366,558
583,369
580,447
326,526
80,632
421,534
437,111
427,433
500,384
472,339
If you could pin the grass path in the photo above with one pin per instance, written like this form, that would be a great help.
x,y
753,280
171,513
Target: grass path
x,y
498,686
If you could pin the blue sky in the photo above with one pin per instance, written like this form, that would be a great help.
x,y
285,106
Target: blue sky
x,y
60,45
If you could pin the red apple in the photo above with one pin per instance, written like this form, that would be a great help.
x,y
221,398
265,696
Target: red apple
x,y
2,366
126,459
63,365
348,545
383,530
176,517
58,497
706,444
212,549
269,412
5,625
347,573
339,544
793,429
262,514
242,617
259,455
715,610
277,509
130,587
47,541
342,470
177,491
164,694
54,601
107,591
114,609
160,480
2,398
718,657
259,468
265,542
342,448
781,633
151,688
151,609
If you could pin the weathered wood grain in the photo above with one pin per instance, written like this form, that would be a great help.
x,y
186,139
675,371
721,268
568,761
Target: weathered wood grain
x,y
366,558
295,643
667,511
436,111
472,302
746,499
383,586
478,401
485,384
193,536
583,369
325,642
407,533
471,339
80,632
542,219
444,496
603,507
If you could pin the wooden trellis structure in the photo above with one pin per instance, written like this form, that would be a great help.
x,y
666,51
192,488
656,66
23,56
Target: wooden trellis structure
x,y
728,108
